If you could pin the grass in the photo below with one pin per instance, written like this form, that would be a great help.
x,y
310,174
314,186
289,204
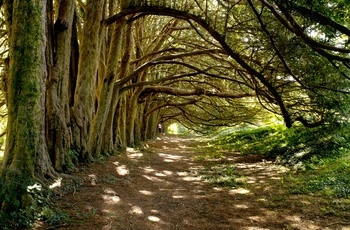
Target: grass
x,y
328,183
331,178
222,175
320,158
290,146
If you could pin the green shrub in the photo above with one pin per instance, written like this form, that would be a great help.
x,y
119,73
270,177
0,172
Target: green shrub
x,y
289,146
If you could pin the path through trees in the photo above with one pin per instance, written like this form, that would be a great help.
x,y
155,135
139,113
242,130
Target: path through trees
x,y
160,188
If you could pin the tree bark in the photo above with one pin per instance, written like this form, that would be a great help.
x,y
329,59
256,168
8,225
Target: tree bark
x,y
106,93
114,113
25,155
58,111
83,109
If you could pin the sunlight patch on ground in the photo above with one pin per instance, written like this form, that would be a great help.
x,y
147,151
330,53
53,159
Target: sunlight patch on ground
x,y
154,219
136,210
178,193
110,191
146,192
191,178
178,196
169,157
186,177
241,206
163,173
57,183
133,153
152,178
293,218
182,173
251,180
111,199
168,173
262,199
239,191
148,169
122,170
93,179
297,222
160,174
255,218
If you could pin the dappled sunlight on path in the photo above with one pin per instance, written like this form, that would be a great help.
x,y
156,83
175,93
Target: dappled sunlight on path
x,y
160,188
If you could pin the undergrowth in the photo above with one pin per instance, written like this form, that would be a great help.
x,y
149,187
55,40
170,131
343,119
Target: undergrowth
x,y
288,146
222,175
42,209
319,156
331,178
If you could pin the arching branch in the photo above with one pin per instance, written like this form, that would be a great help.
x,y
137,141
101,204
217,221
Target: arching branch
x,y
195,92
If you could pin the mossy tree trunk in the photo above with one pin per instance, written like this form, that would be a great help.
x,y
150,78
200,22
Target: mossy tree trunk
x,y
26,156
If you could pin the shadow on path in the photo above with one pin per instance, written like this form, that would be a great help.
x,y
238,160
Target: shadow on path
x,y
159,188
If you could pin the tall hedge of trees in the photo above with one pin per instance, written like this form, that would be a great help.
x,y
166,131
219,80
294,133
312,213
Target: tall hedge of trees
x,y
83,79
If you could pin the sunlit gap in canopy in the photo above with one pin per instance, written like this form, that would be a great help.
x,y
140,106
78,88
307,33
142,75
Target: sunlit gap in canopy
x,y
177,128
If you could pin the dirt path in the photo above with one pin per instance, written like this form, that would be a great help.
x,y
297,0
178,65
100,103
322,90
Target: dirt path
x,y
160,189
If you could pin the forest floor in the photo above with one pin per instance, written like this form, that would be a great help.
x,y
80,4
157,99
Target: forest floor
x,y
161,187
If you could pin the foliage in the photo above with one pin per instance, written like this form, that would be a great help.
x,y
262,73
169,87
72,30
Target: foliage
x,y
21,219
13,196
329,178
53,217
19,215
323,153
222,175
289,146
72,160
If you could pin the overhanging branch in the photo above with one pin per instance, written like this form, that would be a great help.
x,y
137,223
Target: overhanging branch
x,y
195,92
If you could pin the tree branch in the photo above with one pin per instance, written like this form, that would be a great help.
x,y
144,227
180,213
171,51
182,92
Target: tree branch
x,y
195,92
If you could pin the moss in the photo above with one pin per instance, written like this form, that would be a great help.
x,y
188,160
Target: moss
x,y
24,95
24,107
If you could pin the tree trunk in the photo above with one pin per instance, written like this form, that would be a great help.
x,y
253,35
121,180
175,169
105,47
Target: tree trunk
x,y
106,92
120,138
108,146
26,150
132,116
58,113
113,117
83,109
